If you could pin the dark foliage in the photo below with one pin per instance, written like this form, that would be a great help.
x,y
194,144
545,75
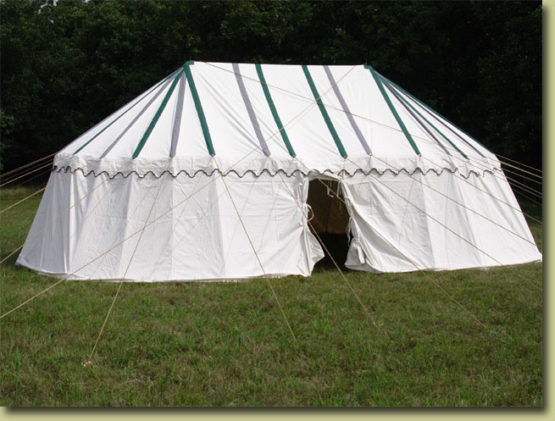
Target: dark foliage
x,y
66,66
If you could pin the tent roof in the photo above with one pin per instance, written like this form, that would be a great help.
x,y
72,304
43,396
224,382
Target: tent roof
x,y
252,118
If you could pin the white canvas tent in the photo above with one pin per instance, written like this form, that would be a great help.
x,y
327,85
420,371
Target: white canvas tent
x,y
206,176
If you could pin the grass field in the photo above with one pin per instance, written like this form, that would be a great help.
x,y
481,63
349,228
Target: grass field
x,y
226,344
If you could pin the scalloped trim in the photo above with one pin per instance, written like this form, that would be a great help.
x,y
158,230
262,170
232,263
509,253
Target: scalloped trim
x,y
341,173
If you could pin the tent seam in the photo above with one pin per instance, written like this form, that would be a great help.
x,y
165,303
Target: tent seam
x,y
325,114
439,117
198,106
407,104
156,117
273,109
393,110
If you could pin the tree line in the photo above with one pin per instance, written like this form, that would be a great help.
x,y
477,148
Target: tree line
x,y
67,64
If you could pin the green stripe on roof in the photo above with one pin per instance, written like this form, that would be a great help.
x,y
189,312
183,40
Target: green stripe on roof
x,y
324,112
122,114
156,116
408,104
198,106
393,110
273,110
439,117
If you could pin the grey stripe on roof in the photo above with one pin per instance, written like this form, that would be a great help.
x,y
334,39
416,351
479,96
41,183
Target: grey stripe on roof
x,y
418,120
107,151
347,111
178,113
250,109
438,117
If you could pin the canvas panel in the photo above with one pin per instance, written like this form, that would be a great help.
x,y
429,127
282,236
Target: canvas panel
x,y
387,233
411,222
227,118
301,117
373,117
262,111
171,228
464,142
127,125
47,246
498,222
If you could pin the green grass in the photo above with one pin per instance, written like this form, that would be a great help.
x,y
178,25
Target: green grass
x,y
226,344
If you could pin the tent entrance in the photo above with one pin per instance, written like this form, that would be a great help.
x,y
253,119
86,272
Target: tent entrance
x,y
330,219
